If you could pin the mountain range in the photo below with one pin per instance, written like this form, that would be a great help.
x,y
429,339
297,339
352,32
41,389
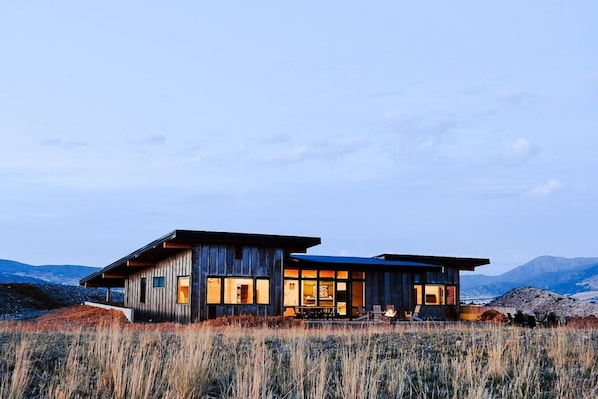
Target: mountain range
x,y
567,276
16,272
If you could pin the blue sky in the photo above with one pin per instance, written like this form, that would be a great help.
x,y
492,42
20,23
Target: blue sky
x,y
440,128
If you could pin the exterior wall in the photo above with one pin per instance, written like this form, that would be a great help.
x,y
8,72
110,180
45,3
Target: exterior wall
x,y
224,261
203,261
389,288
160,303
396,288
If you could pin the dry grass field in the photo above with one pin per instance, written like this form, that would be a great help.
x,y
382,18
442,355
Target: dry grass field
x,y
90,358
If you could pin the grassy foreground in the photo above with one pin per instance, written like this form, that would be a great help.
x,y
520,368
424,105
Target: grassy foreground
x,y
198,361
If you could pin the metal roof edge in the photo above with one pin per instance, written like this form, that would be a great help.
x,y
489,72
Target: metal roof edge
x,y
132,255
364,261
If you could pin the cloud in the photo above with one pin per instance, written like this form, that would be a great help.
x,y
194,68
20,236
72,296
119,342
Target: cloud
x,y
60,143
274,138
153,140
521,150
512,94
419,132
145,144
329,151
547,188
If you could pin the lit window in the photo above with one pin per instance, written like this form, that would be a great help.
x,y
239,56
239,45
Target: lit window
x,y
291,292
358,275
291,273
342,274
214,290
158,282
434,295
417,293
451,295
238,290
262,291
309,273
183,289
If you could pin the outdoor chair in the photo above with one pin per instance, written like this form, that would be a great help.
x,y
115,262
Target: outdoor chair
x,y
415,315
377,312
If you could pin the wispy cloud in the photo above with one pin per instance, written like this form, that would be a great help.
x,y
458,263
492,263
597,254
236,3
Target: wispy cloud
x,y
329,151
150,140
419,133
512,94
521,150
60,143
547,188
274,138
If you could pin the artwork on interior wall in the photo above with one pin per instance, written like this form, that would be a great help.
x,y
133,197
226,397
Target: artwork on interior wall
x,y
324,291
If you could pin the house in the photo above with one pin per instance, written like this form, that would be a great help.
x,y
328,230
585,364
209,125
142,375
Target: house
x,y
190,275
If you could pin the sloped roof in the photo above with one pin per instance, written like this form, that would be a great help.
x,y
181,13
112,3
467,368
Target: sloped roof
x,y
351,262
448,261
114,275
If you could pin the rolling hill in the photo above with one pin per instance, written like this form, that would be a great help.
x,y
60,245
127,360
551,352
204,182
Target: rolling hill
x,y
566,276
17,272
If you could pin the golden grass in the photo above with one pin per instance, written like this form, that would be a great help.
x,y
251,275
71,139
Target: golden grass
x,y
204,361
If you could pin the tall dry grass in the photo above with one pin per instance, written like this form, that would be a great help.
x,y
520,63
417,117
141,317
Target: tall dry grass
x,y
198,361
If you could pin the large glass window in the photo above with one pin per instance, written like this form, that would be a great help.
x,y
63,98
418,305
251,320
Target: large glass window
x,y
326,293
214,290
435,294
338,291
417,294
290,296
451,295
238,290
357,298
183,289
262,291
309,289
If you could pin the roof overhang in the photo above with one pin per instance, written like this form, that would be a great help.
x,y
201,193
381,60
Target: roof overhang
x,y
361,263
447,261
115,274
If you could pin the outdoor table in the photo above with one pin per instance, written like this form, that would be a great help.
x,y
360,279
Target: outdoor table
x,y
316,312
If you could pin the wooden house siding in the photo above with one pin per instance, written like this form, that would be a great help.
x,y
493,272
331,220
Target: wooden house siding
x,y
240,264
389,288
224,261
395,288
160,302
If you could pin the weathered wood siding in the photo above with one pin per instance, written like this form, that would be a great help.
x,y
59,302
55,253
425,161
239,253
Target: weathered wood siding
x,y
395,288
160,302
389,288
223,261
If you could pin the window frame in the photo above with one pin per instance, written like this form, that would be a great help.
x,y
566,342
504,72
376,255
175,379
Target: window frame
x,y
161,282
179,279
253,296
143,290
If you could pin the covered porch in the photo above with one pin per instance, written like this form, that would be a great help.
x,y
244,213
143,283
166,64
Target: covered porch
x,y
350,288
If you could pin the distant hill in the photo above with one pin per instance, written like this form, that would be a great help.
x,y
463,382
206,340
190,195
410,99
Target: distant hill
x,y
541,302
26,300
566,276
17,272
